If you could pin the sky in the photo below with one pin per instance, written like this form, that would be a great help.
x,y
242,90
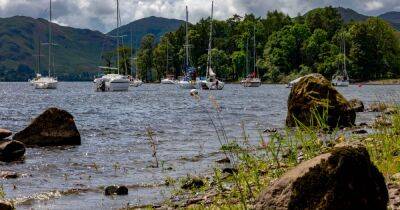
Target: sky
x,y
101,14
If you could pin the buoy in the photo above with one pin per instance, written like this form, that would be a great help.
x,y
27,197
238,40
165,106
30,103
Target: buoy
x,y
194,92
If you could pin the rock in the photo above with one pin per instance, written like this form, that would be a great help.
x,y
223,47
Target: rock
x,y
4,133
11,151
270,130
192,182
345,178
8,175
5,205
116,190
360,132
357,105
230,170
394,196
312,96
110,190
378,107
55,127
223,160
391,111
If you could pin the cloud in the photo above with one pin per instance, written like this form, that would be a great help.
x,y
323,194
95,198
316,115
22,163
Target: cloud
x,y
100,14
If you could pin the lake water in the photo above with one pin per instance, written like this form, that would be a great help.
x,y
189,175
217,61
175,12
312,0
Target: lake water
x,y
115,148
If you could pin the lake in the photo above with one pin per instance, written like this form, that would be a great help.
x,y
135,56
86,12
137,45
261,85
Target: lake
x,y
115,147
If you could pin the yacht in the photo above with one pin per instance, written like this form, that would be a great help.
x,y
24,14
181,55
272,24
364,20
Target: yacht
x,y
48,82
113,82
168,80
341,78
211,82
188,81
252,80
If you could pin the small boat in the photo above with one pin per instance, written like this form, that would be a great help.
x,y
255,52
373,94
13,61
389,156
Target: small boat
x,y
113,82
135,82
48,82
341,78
169,80
211,82
188,81
45,83
252,80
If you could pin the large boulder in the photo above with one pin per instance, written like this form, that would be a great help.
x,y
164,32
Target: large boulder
x,y
5,205
55,127
314,98
342,179
4,133
11,151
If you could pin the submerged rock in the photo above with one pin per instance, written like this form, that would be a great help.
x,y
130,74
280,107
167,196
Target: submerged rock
x,y
342,179
55,127
357,105
314,97
8,175
4,133
378,107
116,190
192,182
11,151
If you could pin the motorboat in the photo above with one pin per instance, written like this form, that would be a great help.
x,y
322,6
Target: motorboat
x,y
112,83
45,83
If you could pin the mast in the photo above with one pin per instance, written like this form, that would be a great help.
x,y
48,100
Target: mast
x,y
167,57
254,51
247,56
131,51
50,39
118,36
187,39
210,40
344,59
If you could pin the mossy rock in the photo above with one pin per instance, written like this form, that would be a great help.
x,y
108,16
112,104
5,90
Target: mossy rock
x,y
342,179
313,99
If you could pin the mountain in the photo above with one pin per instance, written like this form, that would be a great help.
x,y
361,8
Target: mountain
x,y
393,18
151,25
78,51
75,57
350,15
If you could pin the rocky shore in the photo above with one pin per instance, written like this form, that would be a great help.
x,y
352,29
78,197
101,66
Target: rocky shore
x,y
325,161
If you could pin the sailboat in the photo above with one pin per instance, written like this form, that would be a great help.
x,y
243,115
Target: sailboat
x,y
169,78
113,82
37,70
189,79
341,79
252,80
134,81
211,82
48,82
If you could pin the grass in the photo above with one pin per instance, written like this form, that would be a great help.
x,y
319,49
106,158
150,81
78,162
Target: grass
x,y
253,167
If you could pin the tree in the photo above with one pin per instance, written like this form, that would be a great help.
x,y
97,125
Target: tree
x,y
160,55
327,19
145,57
124,60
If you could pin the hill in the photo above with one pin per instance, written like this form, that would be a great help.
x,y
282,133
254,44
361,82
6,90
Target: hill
x,y
350,15
393,18
76,55
151,25
78,51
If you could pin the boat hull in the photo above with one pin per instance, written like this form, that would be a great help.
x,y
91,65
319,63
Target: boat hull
x,y
217,85
167,82
45,83
112,83
340,83
187,84
251,83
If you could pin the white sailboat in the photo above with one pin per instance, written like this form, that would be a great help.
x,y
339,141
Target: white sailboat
x,y
253,79
113,82
134,81
48,82
211,82
37,69
169,79
188,81
341,79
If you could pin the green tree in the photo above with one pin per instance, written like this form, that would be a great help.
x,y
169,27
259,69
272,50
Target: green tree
x,y
145,58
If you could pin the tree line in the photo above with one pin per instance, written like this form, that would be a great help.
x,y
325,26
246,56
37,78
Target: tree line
x,y
285,48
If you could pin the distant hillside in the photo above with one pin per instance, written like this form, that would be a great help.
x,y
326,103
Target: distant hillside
x,y
350,15
393,18
151,25
78,52
76,55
